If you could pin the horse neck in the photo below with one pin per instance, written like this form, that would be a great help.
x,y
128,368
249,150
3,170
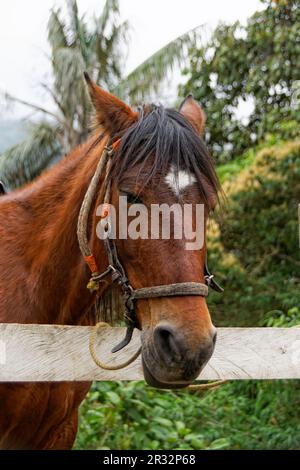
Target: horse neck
x,y
58,273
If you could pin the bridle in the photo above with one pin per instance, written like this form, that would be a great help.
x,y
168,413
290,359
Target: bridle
x,y
115,267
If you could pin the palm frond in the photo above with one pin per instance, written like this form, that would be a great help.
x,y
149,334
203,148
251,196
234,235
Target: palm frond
x,y
74,26
78,32
109,15
148,77
56,31
109,55
24,161
68,67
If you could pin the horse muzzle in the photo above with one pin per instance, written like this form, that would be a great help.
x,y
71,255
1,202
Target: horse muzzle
x,y
170,360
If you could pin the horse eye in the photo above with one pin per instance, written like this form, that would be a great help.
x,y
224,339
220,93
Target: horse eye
x,y
132,198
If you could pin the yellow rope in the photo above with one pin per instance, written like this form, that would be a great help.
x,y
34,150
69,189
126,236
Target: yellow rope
x,y
98,361
208,386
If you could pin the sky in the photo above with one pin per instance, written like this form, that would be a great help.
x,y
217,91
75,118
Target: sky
x,y
23,35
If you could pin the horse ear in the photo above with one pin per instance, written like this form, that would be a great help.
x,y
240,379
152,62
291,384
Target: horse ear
x,y
193,112
112,114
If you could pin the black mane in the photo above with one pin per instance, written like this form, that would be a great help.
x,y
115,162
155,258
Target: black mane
x,y
166,135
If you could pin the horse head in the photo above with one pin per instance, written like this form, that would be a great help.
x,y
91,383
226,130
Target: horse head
x,y
161,162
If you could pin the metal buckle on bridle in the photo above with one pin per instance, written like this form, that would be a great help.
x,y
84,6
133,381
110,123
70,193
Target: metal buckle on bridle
x,y
208,279
99,277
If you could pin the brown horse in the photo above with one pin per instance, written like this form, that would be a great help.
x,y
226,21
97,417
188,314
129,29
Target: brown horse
x,y
43,276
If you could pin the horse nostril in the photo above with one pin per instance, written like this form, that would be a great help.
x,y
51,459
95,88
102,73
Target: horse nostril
x,y
166,343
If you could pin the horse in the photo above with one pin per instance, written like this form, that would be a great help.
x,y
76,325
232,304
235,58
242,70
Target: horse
x,y
161,157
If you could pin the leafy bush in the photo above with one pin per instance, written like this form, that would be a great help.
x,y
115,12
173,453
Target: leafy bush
x,y
255,64
239,415
254,248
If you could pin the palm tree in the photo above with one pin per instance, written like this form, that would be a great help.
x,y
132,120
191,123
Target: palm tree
x,y
98,48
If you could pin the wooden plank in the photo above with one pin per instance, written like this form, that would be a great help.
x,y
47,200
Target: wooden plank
x,y
55,353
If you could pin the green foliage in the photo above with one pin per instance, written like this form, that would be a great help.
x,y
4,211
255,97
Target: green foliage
x,y
229,171
281,319
241,415
255,250
257,64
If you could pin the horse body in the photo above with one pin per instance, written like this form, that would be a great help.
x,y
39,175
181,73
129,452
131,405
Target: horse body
x,y
43,280
43,276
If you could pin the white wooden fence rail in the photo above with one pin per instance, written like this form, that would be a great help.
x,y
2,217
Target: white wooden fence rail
x,y
56,353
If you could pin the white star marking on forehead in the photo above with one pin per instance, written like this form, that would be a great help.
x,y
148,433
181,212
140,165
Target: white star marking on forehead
x,y
180,180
